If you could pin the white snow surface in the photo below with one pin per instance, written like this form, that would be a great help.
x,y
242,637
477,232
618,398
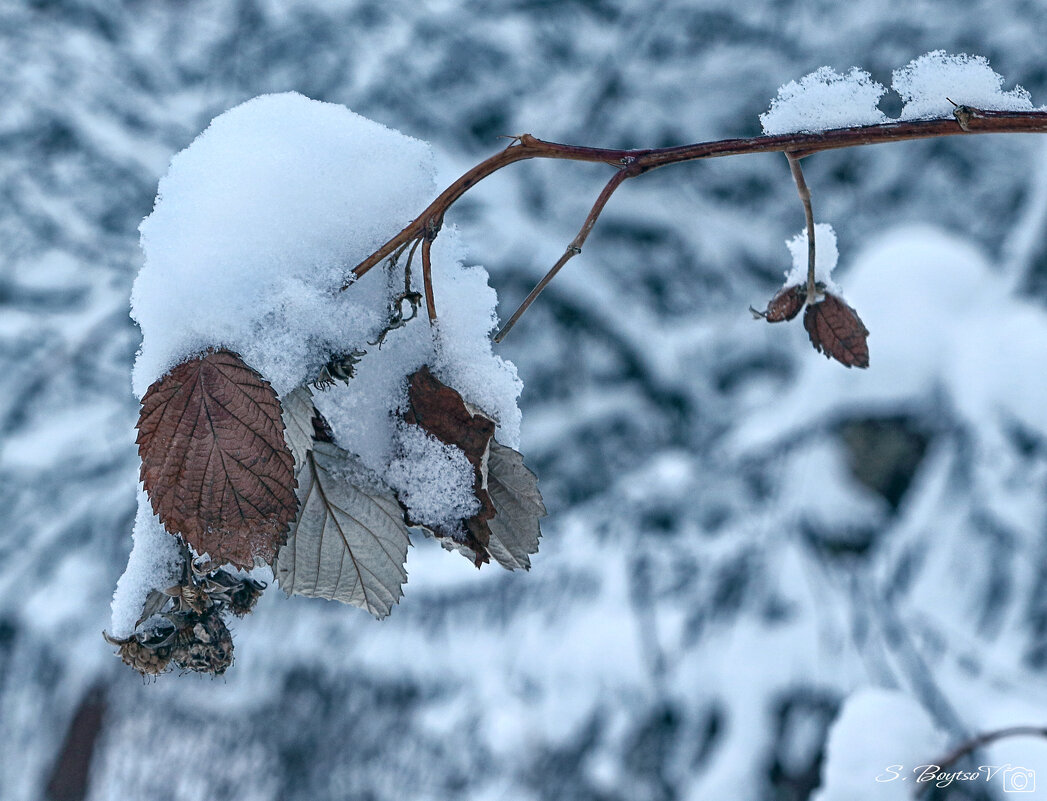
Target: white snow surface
x,y
879,736
825,99
826,255
434,480
256,226
154,563
927,83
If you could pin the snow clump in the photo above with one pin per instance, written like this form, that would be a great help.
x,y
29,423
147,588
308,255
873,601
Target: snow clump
x,y
928,83
256,228
155,564
825,99
826,256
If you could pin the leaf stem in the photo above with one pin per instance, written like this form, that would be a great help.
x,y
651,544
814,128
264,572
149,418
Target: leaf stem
x,y
805,198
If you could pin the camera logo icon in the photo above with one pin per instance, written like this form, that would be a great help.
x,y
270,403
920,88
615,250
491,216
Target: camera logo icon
x,y
1019,780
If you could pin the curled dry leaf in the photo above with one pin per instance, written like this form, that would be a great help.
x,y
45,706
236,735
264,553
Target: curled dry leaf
x,y
506,526
298,414
786,304
518,505
836,330
348,543
440,411
214,460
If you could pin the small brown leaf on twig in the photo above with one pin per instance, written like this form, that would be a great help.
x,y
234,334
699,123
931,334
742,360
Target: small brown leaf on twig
x,y
214,460
836,330
786,304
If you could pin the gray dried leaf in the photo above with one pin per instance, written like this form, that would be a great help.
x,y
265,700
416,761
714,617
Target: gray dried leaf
x,y
154,604
298,413
348,543
518,505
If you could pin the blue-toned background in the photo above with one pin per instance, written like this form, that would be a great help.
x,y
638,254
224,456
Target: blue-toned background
x,y
740,534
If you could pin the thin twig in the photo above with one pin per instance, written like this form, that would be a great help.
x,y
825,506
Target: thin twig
x,y
573,249
805,198
796,146
427,278
988,738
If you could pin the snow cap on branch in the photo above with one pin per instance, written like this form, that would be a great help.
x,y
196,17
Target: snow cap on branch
x,y
255,230
256,226
929,82
825,99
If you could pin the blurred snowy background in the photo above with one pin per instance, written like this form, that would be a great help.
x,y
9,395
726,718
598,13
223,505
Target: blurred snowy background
x,y
742,535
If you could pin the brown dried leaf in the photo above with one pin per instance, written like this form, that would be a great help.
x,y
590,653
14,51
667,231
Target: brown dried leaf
x,y
441,412
786,304
214,460
836,330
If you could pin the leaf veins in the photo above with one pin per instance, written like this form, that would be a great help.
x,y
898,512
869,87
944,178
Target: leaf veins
x,y
518,504
348,543
836,330
214,460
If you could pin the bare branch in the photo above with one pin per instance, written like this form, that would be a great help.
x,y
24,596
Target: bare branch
x,y
795,145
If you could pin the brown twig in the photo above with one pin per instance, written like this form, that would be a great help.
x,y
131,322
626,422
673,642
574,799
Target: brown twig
x,y
805,198
573,249
427,278
795,145
980,741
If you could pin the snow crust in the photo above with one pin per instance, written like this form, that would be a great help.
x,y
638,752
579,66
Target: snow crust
x,y
154,563
826,255
877,729
825,99
925,83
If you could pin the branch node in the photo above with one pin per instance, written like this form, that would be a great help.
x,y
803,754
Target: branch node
x,y
432,228
963,115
